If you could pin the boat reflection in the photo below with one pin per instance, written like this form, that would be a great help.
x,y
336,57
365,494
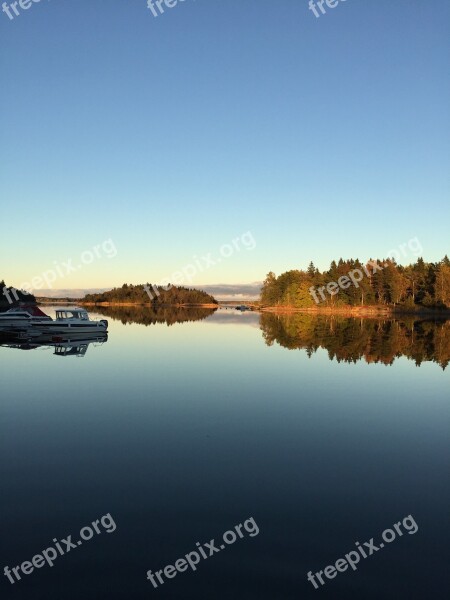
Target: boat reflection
x,y
63,345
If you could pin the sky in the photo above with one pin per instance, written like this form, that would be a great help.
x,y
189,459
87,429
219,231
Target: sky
x,y
222,139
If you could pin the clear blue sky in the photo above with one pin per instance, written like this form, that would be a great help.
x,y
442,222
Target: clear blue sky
x,y
171,136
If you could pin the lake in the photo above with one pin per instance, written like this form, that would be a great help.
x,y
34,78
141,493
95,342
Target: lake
x,y
312,433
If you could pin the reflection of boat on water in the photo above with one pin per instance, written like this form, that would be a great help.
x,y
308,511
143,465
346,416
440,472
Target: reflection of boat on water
x,y
63,345
77,347
64,350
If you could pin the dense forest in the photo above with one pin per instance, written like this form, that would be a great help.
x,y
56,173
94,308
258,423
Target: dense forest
x,y
10,297
156,295
351,340
420,285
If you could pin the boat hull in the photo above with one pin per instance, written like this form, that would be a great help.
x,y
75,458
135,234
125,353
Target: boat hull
x,y
21,322
54,327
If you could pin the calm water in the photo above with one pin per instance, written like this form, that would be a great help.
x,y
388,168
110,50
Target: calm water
x,y
325,431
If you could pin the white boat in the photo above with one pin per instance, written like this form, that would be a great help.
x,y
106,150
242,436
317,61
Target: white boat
x,y
72,321
23,316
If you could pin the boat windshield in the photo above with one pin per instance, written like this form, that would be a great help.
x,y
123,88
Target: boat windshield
x,y
72,314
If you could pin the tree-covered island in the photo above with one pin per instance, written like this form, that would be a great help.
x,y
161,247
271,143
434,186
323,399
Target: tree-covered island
x,y
353,285
152,294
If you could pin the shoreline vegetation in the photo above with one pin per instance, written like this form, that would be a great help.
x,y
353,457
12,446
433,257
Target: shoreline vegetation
x,y
127,295
251,304
385,290
359,311
150,304
10,297
152,295
82,302
379,287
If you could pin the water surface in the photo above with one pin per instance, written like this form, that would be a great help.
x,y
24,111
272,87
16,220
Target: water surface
x,y
326,431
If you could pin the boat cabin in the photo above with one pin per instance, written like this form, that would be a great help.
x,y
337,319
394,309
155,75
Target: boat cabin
x,y
72,313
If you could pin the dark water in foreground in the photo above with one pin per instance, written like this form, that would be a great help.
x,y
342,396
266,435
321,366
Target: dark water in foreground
x,y
324,431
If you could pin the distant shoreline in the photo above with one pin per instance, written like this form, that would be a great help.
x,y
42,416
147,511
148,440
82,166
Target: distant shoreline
x,y
350,311
149,304
358,311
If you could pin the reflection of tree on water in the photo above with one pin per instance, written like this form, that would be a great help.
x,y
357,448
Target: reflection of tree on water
x,y
148,315
350,340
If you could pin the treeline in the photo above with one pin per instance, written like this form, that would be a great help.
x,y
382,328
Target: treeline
x,y
352,340
10,297
156,295
414,286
